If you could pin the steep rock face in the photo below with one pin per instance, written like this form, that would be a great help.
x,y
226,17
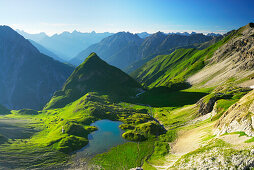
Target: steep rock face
x,y
94,75
206,107
239,117
27,77
234,59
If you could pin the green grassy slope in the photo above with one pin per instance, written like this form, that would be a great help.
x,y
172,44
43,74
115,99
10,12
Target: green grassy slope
x,y
166,70
94,75
75,118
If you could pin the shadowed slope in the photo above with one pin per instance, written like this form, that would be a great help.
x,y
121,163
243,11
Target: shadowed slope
x,y
27,78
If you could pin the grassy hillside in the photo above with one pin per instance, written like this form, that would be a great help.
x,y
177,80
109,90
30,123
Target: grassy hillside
x,y
94,75
75,119
166,70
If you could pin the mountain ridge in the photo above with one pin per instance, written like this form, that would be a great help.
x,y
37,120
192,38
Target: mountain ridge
x,y
122,52
66,44
116,49
19,86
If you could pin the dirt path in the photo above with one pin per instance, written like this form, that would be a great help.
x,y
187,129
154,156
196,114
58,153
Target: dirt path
x,y
188,141
237,141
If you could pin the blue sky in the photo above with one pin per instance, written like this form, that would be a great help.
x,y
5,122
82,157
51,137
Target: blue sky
x,y
55,16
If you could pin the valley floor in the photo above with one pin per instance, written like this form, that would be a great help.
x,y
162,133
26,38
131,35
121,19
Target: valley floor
x,y
188,143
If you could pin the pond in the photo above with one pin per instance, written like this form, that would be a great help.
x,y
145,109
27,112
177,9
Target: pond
x,y
107,136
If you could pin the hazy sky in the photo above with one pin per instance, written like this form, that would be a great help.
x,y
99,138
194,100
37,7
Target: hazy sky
x,y
55,16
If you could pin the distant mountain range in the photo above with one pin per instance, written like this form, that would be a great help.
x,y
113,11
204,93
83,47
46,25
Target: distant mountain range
x,y
124,49
28,78
143,34
70,46
120,49
45,51
67,44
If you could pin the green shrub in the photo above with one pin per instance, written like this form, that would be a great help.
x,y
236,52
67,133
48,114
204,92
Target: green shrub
x,y
169,136
86,120
136,118
127,127
75,129
91,128
161,149
27,112
133,136
71,143
151,128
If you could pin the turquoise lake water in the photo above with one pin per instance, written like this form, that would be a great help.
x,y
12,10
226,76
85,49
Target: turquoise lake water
x,y
107,136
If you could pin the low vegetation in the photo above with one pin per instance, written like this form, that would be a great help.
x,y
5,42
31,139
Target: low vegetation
x,y
66,129
125,156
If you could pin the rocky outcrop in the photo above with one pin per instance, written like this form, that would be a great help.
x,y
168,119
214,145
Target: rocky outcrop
x,y
218,159
239,117
206,107
234,59
206,104
241,48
